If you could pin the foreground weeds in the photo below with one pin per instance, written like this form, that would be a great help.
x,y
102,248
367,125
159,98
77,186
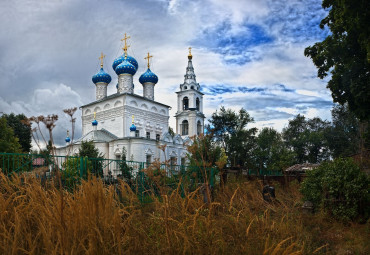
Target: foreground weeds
x,y
38,218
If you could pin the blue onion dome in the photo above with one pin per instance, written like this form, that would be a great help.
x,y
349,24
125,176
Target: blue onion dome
x,y
120,59
94,122
133,127
148,76
101,76
68,139
125,67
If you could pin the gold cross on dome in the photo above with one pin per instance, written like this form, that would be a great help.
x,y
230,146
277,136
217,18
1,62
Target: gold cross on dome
x,y
132,119
190,52
126,46
102,56
148,57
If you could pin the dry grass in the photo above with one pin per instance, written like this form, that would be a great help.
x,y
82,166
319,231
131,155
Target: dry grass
x,y
35,219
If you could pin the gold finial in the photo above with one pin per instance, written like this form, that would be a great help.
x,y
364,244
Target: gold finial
x,y
190,52
102,56
67,133
132,119
126,46
148,57
94,115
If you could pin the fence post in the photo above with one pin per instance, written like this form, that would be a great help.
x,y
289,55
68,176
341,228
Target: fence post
x,y
81,167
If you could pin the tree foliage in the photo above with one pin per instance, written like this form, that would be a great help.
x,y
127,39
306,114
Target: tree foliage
x,y
345,53
271,152
339,187
228,129
125,169
307,139
9,143
88,150
344,134
21,130
204,152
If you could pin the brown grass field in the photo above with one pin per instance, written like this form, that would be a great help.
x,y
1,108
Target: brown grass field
x,y
39,219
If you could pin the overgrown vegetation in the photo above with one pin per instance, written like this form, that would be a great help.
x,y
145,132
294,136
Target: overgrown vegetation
x,y
340,188
99,219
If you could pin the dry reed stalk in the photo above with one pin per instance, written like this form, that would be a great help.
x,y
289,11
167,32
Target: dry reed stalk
x,y
320,248
232,198
101,220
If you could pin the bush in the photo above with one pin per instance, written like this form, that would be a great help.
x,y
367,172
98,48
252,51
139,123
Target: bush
x,y
340,187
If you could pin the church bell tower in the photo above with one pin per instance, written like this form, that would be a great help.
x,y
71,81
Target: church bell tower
x,y
189,115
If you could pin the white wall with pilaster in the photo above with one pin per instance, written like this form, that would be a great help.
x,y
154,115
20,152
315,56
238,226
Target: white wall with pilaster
x,y
115,115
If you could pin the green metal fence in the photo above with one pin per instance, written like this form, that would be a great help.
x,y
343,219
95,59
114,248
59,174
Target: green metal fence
x,y
137,174
142,177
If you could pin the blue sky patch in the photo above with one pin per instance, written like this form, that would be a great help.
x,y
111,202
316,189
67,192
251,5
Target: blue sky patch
x,y
219,89
236,48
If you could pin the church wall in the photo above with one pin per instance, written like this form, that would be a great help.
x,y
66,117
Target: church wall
x,y
138,148
109,114
115,115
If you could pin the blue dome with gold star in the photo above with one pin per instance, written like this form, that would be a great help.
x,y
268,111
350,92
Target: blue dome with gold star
x,y
94,122
133,127
125,68
120,59
68,139
148,76
101,76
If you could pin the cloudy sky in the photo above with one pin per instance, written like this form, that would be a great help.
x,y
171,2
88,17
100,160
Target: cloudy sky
x,y
246,53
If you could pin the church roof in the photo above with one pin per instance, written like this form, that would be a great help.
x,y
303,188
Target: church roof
x,y
121,94
97,136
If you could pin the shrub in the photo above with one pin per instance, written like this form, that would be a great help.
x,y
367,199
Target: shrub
x,y
340,187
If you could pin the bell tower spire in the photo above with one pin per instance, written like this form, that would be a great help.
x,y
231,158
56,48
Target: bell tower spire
x,y
189,115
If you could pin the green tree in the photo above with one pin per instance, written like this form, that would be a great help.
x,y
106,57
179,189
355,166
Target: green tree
x,y
204,155
307,139
21,130
9,143
295,136
339,187
345,53
271,152
125,169
204,151
88,150
344,134
228,129
317,144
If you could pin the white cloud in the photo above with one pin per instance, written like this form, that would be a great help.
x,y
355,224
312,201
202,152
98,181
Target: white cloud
x,y
46,102
58,42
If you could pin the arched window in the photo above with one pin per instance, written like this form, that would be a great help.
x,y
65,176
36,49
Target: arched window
x,y
192,87
185,87
199,127
185,103
184,127
197,104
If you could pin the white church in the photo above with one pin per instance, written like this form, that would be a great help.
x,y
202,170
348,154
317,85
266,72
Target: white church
x,y
138,123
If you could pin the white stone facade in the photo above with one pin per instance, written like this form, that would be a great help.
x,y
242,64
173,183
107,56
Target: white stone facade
x,y
148,90
125,84
101,90
116,113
